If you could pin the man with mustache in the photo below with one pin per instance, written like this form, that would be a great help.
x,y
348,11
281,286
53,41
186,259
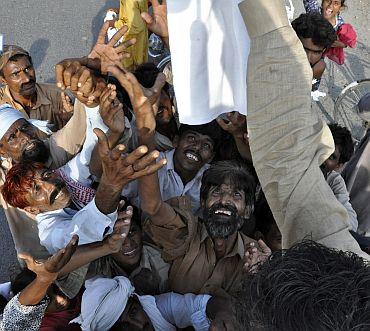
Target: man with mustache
x,y
35,100
205,257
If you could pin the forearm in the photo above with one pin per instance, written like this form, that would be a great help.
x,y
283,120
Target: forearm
x,y
107,196
84,255
95,165
35,292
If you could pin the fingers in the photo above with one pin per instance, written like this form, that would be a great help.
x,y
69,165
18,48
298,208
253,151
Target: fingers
x,y
118,35
68,251
221,122
66,102
117,151
103,33
126,219
264,248
151,169
145,161
103,144
131,158
147,18
122,47
159,83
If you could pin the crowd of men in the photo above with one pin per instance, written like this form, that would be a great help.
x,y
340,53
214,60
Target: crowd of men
x,y
125,219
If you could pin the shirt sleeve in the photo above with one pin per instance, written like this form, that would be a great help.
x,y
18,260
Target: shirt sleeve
x,y
175,236
184,310
57,228
18,317
311,6
287,139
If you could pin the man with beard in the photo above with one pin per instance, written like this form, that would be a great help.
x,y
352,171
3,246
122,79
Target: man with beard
x,y
205,257
35,100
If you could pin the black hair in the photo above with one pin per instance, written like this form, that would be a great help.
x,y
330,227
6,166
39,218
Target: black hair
x,y
3,303
233,172
316,27
15,58
306,287
342,3
343,139
211,129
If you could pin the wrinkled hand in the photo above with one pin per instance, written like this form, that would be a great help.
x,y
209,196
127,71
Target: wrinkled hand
x,y
107,54
48,270
236,125
158,22
111,110
65,115
80,80
120,230
253,257
141,99
119,170
223,321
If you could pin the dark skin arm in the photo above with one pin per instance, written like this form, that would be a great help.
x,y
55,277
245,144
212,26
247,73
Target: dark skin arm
x,y
111,111
150,195
111,244
119,170
46,272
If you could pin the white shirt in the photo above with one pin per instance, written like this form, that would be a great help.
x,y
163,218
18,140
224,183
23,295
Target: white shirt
x,y
170,184
57,227
209,54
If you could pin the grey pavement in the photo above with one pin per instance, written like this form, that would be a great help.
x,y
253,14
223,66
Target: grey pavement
x,y
53,30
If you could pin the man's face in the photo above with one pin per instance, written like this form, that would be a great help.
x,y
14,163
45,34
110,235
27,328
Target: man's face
x,y
20,76
130,253
48,192
163,109
332,163
224,211
193,151
314,52
331,8
134,318
21,143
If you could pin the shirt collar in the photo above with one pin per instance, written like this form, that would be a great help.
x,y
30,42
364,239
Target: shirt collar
x,y
169,156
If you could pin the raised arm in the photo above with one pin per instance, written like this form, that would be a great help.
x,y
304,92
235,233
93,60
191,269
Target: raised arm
x,y
288,141
149,190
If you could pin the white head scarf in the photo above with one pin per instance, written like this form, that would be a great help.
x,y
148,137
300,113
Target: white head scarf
x,y
103,301
8,115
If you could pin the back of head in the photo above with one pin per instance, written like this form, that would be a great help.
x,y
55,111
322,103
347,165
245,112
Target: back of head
x,y
307,287
343,139
316,27
233,172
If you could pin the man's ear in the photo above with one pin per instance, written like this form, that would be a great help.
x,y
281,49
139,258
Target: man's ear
x,y
339,167
175,141
32,210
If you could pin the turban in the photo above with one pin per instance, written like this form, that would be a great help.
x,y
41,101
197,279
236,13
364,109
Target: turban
x,y
103,302
8,116
10,51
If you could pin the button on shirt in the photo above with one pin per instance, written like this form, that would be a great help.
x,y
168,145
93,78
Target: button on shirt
x,y
171,185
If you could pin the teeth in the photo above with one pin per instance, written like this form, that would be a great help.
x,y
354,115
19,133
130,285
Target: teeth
x,y
225,212
191,156
130,252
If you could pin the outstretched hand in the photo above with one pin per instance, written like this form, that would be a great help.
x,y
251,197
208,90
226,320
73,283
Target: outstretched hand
x,y
157,22
119,169
48,270
105,54
253,257
111,110
236,124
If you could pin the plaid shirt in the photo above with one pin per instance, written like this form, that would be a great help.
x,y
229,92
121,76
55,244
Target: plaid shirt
x,y
311,6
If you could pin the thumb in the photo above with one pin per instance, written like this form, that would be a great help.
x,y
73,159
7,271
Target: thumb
x,y
26,257
263,246
147,18
159,83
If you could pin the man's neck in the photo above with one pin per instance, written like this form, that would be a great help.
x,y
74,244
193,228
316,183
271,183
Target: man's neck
x,y
26,101
186,176
224,246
